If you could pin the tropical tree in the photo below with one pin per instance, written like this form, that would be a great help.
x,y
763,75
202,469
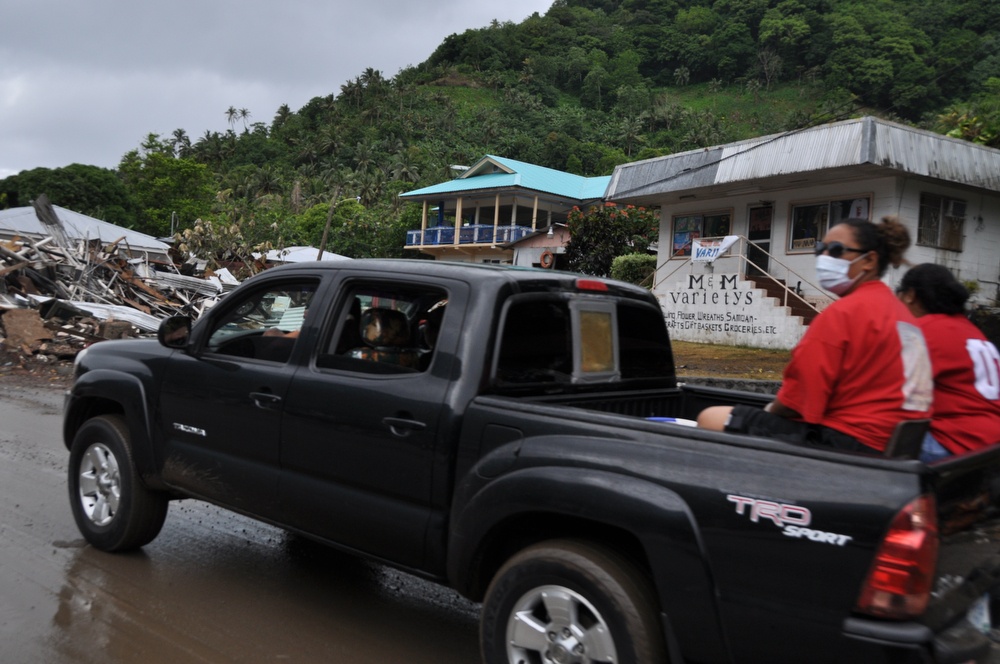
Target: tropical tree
x,y
978,121
181,143
630,134
682,75
162,185
605,232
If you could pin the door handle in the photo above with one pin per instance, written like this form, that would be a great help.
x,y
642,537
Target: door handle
x,y
402,426
265,400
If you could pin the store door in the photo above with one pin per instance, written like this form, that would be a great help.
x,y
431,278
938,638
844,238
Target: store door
x,y
759,234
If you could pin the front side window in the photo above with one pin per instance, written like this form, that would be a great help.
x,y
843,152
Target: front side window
x,y
687,228
811,221
941,223
262,324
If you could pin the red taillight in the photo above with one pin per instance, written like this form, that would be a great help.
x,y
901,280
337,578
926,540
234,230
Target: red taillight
x,y
899,583
591,285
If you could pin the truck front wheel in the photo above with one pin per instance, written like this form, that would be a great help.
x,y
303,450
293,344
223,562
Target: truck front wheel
x,y
568,601
112,508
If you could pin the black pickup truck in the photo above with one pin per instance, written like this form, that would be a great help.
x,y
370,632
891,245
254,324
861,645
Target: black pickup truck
x,y
520,435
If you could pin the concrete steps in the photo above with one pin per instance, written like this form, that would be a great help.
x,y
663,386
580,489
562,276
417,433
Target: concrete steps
x,y
729,309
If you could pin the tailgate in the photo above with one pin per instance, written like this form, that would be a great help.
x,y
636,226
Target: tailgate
x,y
967,583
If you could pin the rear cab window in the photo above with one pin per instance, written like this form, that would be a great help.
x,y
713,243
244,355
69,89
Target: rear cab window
x,y
583,340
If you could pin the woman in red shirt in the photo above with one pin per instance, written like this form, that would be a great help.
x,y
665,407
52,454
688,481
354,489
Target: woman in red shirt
x,y
966,365
861,367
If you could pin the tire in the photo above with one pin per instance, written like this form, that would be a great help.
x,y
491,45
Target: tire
x,y
112,507
570,601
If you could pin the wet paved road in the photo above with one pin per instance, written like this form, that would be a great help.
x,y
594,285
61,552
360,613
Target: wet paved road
x,y
213,587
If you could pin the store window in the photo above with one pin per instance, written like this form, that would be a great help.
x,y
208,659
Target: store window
x,y
692,226
810,221
941,223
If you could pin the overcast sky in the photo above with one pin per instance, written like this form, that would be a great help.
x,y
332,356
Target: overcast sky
x,y
85,82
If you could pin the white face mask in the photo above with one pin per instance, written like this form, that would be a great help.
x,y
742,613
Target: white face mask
x,y
832,273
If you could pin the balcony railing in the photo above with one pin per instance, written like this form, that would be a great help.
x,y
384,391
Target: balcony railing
x,y
472,234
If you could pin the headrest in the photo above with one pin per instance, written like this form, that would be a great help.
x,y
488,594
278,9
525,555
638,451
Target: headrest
x,y
385,327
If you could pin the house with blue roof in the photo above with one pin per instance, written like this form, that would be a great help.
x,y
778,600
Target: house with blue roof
x,y
501,211
739,222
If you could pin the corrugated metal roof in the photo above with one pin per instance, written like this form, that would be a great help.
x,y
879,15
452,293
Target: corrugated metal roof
x,y
864,142
301,255
23,220
494,172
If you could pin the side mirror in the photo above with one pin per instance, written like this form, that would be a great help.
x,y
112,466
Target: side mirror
x,y
174,332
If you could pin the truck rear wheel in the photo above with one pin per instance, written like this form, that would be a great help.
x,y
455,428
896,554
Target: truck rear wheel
x,y
112,508
570,602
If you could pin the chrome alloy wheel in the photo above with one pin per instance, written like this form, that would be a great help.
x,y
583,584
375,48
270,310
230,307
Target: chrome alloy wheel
x,y
553,624
100,484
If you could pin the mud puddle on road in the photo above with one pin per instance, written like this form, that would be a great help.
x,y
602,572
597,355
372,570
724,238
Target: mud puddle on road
x,y
214,587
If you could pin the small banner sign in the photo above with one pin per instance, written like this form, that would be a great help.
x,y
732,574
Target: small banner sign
x,y
708,250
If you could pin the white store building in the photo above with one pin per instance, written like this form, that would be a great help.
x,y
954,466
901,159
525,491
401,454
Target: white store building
x,y
774,196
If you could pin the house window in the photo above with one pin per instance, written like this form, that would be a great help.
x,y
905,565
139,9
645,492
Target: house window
x,y
941,222
810,221
689,227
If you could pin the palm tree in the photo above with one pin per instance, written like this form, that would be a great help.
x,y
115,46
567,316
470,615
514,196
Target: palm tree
x,y
232,115
682,75
369,185
281,117
210,148
630,133
373,81
244,116
328,142
352,91
181,143
364,157
267,181
403,168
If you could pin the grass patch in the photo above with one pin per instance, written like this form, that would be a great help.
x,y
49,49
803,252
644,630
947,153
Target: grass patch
x,y
716,360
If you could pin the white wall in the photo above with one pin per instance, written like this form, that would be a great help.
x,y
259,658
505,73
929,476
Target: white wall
x,y
720,308
979,260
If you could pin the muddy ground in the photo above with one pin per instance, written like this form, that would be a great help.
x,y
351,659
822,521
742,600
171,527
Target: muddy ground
x,y
695,360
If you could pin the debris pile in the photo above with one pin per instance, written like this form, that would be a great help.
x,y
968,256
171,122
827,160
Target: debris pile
x,y
58,295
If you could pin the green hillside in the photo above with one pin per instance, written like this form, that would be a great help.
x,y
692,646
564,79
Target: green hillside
x,y
586,86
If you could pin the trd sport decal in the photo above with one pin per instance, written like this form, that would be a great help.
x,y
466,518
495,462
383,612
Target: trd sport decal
x,y
792,519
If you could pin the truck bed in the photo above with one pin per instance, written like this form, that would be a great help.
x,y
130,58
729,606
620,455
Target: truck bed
x,y
684,401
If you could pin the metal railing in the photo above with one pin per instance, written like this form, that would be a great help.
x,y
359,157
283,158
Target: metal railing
x,y
470,234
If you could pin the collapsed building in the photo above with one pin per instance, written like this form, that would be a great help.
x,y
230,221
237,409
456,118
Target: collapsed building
x,y
68,280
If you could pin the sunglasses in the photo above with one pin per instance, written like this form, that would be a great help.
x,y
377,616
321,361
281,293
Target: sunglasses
x,y
835,249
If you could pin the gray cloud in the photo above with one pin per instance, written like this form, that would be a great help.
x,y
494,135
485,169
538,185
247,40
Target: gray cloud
x,y
85,82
